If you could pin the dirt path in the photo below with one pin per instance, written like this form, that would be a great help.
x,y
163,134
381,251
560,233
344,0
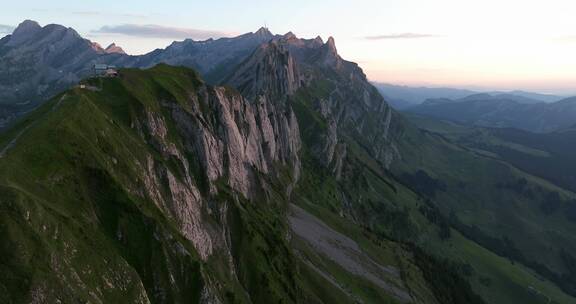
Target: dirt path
x,y
12,143
345,252
57,105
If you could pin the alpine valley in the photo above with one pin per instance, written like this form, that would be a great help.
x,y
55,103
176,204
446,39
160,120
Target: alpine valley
x,y
262,169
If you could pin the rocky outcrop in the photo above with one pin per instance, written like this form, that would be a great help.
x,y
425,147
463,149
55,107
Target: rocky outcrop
x,y
114,49
233,137
329,55
270,71
336,89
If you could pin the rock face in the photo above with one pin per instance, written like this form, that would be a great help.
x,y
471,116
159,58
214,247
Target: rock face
x,y
239,137
231,141
114,49
271,70
334,88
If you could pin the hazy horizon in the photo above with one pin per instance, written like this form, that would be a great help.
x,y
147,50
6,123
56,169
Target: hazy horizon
x,y
480,46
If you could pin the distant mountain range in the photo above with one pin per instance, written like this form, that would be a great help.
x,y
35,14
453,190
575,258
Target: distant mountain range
x,y
529,111
502,111
37,62
403,97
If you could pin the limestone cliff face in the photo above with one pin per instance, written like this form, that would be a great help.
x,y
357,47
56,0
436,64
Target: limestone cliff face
x,y
356,109
230,140
270,70
362,114
235,138
337,90
217,138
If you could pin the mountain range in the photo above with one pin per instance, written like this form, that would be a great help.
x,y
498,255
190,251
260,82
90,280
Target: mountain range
x,y
404,97
261,169
38,62
503,111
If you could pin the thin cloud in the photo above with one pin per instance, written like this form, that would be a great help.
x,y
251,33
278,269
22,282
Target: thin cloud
x,y
99,13
159,31
87,13
400,36
134,16
6,29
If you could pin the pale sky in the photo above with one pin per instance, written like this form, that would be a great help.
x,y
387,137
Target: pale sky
x,y
489,44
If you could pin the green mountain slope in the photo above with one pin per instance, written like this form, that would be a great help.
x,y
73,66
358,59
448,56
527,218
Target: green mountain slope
x,y
107,197
103,202
398,205
497,200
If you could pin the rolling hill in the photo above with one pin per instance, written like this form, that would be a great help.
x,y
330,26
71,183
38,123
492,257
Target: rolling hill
x,y
502,111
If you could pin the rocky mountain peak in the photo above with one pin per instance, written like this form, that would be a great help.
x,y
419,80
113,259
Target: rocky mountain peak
x,y
24,31
114,49
58,28
329,55
289,36
97,47
264,33
61,34
27,27
331,45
